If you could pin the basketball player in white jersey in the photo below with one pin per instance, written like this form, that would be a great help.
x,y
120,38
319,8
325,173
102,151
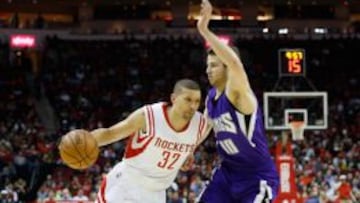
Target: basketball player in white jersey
x,y
162,136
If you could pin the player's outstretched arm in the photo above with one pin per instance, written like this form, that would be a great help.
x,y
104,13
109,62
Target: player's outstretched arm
x,y
237,88
133,123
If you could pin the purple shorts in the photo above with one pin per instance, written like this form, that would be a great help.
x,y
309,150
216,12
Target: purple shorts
x,y
249,189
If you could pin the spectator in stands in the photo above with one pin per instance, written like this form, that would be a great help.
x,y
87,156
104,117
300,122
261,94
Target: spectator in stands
x,y
344,190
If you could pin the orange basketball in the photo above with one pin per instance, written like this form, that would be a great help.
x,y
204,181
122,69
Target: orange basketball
x,y
78,149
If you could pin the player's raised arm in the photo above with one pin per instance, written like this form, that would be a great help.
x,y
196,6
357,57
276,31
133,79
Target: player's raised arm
x,y
237,87
133,123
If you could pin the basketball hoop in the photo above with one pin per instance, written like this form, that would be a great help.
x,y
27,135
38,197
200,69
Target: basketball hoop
x,y
297,130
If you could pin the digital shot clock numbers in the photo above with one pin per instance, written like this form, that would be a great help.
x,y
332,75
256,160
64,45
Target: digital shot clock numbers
x,y
292,62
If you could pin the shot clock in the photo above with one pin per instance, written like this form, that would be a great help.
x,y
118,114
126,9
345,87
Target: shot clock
x,y
292,62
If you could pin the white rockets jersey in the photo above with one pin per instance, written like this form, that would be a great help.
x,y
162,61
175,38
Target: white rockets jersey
x,y
154,157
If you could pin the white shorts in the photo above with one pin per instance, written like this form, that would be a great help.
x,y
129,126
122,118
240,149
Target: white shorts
x,y
118,186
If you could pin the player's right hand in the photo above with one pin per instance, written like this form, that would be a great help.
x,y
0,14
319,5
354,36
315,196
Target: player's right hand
x,y
205,16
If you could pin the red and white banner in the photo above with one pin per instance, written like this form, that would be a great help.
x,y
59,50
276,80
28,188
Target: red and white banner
x,y
287,191
285,164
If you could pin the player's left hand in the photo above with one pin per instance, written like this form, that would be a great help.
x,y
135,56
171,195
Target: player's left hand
x,y
188,163
205,16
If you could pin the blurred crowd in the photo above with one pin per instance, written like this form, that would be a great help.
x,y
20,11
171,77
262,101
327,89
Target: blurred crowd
x,y
91,84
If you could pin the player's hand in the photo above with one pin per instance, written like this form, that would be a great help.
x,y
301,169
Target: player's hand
x,y
205,16
188,163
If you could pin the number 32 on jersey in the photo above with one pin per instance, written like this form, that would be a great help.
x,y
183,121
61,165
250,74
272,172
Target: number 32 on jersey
x,y
169,159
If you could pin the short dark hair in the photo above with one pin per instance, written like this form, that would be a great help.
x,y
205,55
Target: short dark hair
x,y
210,51
186,83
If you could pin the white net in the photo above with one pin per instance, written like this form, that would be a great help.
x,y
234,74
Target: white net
x,y
297,130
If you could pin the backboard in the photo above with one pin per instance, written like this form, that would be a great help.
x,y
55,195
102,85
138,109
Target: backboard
x,y
282,108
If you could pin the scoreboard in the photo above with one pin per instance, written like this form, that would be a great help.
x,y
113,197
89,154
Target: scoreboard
x,y
292,62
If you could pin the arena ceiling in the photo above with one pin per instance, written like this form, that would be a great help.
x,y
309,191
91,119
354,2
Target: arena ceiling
x,y
160,2
59,6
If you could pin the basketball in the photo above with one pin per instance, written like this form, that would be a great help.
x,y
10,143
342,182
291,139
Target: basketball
x,y
78,149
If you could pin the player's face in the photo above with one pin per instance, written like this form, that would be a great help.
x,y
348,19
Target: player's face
x,y
215,70
186,102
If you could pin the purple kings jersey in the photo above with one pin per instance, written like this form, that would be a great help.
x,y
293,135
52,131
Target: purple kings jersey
x,y
240,140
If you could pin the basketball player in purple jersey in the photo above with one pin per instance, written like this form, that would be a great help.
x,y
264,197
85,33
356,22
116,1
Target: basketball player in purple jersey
x,y
247,173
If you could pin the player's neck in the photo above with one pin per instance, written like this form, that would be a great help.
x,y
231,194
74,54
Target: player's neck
x,y
220,85
176,121
219,90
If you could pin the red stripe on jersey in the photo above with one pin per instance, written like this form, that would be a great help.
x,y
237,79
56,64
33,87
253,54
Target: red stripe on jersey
x,y
150,118
152,124
101,195
201,127
131,150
